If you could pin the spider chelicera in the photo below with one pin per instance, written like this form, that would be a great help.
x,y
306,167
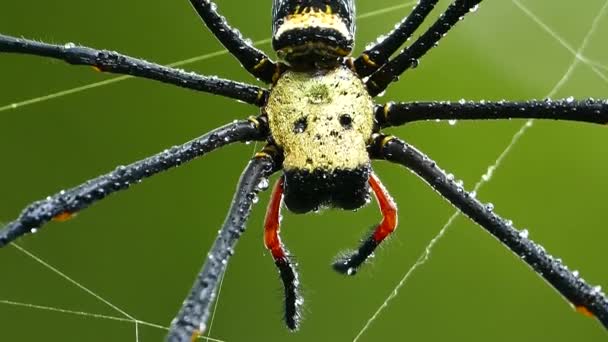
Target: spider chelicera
x,y
322,129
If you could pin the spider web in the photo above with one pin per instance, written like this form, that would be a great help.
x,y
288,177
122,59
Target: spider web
x,y
128,318
578,57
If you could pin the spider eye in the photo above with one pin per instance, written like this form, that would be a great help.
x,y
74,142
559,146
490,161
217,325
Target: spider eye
x,y
300,125
346,121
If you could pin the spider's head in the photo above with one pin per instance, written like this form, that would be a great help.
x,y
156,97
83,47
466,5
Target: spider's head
x,y
313,33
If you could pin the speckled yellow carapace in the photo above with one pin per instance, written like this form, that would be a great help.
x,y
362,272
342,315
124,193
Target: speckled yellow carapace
x,y
323,121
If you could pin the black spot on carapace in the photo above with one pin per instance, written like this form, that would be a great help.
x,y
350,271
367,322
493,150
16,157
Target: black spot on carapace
x,y
346,121
300,125
306,190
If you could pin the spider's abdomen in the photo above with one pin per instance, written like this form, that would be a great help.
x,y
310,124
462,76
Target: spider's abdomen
x,y
323,121
313,33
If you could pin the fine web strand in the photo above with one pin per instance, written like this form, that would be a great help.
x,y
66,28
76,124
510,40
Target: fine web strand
x,y
80,313
217,301
486,177
176,64
91,315
128,318
80,286
577,54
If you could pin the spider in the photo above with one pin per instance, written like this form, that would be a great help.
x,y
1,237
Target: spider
x,y
321,129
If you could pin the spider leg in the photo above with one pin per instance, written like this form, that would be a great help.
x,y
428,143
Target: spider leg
x,y
192,318
287,270
114,62
253,60
585,298
378,54
67,203
396,114
409,58
350,263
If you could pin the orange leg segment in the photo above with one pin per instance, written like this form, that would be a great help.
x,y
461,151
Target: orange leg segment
x,y
272,222
350,263
388,208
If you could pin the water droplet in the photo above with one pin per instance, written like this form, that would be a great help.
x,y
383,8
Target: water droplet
x,y
489,207
452,122
350,271
575,273
69,45
570,99
524,233
263,185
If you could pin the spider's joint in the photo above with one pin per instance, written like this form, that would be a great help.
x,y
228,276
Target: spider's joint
x,y
277,73
385,140
64,216
196,334
255,121
262,154
350,63
387,109
260,96
368,60
260,64
584,311
269,151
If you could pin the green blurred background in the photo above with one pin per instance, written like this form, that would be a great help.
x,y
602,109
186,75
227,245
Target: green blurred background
x,y
141,249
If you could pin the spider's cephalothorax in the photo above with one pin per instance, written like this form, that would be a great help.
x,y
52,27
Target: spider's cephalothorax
x,y
322,129
323,122
313,33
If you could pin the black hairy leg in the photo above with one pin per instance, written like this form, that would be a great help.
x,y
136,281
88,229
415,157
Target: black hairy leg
x,y
114,62
66,204
584,297
191,321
